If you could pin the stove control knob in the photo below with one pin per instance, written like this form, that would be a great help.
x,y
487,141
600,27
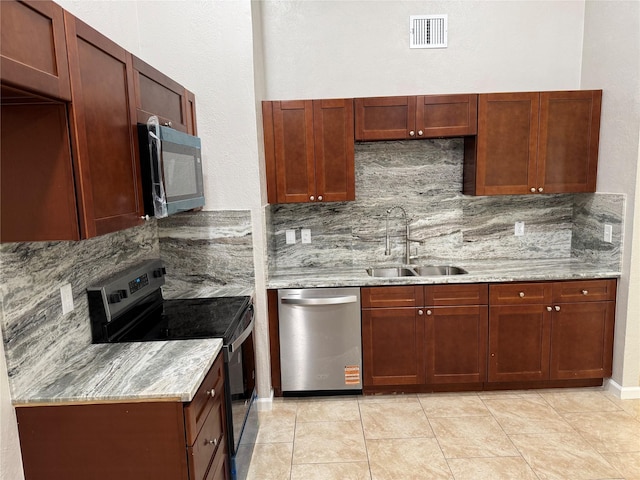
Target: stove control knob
x,y
115,297
159,272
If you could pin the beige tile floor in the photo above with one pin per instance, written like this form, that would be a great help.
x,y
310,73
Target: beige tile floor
x,y
514,435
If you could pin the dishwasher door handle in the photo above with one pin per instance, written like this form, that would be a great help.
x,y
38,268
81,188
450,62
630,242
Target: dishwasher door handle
x,y
320,301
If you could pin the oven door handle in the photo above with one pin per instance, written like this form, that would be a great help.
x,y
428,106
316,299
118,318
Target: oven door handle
x,y
320,301
233,346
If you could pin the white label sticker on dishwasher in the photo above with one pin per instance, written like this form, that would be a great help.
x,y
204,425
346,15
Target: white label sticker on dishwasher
x,y
352,374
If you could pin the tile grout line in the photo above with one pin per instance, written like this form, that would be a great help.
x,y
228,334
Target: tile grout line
x,y
364,437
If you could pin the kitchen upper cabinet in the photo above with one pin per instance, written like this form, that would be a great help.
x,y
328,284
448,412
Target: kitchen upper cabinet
x,y
129,441
37,192
423,116
534,143
103,131
309,150
156,94
33,49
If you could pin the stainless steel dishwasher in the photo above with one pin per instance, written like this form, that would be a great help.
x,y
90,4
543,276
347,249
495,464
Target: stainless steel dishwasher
x,y
320,340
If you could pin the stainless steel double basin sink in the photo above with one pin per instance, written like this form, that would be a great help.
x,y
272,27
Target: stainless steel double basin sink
x,y
415,271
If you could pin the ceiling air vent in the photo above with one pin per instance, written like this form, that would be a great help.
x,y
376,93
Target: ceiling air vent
x,y
428,31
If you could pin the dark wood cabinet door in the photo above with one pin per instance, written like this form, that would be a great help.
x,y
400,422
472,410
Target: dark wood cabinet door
x,y
156,94
192,125
103,131
33,49
38,197
456,344
393,347
519,343
334,150
385,118
446,115
506,145
582,340
568,142
135,440
578,291
386,297
293,153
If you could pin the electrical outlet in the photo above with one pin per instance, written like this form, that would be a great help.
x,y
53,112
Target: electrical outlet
x,y
519,229
290,236
66,296
608,233
305,234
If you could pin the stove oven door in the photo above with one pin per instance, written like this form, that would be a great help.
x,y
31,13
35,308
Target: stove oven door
x,y
242,416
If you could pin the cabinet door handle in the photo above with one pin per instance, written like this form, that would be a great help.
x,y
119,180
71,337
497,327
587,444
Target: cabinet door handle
x,y
557,307
549,309
312,198
521,294
420,312
319,198
213,442
412,133
211,393
533,190
541,189
429,312
585,292
420,132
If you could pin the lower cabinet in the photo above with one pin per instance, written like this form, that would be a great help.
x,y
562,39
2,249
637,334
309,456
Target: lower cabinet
x,y
440,339
127,441
479,336
551,331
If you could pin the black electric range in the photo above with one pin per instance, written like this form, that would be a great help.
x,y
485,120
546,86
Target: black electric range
x,y
129,307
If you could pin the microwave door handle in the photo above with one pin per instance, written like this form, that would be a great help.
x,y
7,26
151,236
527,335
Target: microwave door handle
x,y
157,172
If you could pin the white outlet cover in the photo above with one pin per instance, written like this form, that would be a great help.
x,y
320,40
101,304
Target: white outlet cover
x,y
290,237
305,233
519,229
608,233
66,296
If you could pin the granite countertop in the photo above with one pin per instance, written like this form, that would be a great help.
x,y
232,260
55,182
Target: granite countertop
x,y
118,372
121,372
479,271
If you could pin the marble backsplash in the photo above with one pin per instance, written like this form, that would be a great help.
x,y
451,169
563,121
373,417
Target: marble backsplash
x,y
425,178
206,250
201,250
37,336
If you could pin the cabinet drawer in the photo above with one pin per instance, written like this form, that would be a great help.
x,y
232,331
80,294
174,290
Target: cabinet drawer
x,y
219,467
210,440
212,389
520,293
584,291
381,297
465,294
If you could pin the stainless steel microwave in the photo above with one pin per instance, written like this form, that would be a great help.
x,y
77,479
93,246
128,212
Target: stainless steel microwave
x,y
171,167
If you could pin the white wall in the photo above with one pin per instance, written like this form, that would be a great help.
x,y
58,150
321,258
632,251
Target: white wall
x,y
611,61
323,49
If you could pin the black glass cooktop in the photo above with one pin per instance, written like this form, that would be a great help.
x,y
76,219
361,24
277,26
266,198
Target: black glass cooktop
x,y
180,319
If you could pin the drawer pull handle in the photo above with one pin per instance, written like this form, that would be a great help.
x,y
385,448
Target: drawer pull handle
x,y
213,442
557,307
549,309
211,393
521,294
585,292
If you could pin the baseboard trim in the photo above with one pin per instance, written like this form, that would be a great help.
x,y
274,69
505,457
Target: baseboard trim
x,y
264,403
624,393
